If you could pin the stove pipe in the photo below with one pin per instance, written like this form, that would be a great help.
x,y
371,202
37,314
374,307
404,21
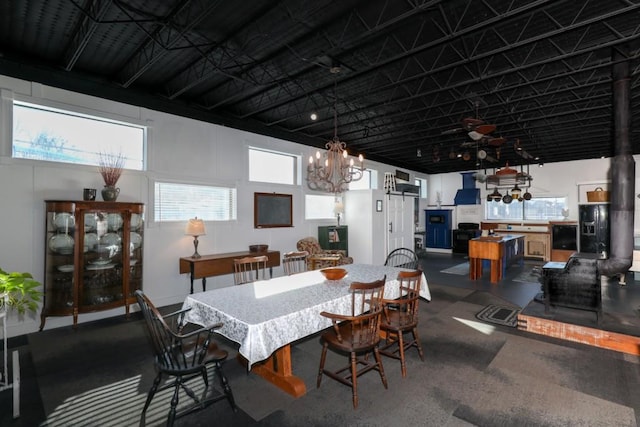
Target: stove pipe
x,y
622,176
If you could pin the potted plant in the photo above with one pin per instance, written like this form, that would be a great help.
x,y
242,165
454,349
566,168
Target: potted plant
x,y
19,291
110,167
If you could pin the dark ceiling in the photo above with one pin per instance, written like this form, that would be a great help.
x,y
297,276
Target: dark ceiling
x,y
410,70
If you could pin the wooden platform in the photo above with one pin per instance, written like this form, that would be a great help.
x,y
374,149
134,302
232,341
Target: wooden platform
x,y
581,334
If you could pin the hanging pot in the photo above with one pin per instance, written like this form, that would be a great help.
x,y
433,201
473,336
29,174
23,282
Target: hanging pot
x,y
527,195
507,199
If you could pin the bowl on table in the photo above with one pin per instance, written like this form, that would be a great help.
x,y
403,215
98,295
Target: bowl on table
x,y
333,273
258,248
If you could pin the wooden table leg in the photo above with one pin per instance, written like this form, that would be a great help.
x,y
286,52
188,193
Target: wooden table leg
x,y
277,370
495,271
475,268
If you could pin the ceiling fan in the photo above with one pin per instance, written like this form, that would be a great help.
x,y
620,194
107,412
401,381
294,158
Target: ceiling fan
x,y
476,128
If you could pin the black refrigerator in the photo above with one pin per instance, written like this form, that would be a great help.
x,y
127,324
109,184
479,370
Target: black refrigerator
x,y
594,233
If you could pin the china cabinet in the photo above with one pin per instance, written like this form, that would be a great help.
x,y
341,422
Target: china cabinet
x,y
93,257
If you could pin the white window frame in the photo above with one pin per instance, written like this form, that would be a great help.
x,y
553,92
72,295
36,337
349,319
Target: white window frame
x,y
369,175
89,158
192,206
295,172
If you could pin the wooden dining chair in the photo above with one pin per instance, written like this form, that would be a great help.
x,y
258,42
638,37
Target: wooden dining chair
x,y
250,269
357,334
400,316
182,356
403,258
294,262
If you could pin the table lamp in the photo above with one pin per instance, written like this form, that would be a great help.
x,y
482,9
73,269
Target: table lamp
x,y
195,228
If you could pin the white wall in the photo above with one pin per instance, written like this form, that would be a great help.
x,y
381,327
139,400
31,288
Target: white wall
x,y
179,149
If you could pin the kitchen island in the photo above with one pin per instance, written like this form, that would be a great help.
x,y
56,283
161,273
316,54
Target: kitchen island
x,y
499,251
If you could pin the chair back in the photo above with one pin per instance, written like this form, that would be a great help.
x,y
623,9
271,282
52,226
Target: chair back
x,y
366,309
170,354
403,258
294,262
406,305
309,245
250,269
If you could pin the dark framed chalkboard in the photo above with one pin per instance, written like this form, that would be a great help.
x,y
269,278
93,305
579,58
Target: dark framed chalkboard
x,y
272,210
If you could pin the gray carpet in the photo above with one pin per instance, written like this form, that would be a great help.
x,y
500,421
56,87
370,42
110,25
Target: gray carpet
x,y
474,373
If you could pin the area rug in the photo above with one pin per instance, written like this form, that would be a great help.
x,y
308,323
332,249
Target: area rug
x,y
500,315
460,269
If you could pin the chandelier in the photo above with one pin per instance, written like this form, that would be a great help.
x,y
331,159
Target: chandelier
x,y
334,171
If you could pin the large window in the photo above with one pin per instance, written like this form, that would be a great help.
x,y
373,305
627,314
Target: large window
x,y
179,202
272,166
43,133
536,209
422,183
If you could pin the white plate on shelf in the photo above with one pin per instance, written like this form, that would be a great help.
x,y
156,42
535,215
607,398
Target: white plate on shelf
x,y
90,222
100,261
64,221
110,239
135,239
66,268
90,240
114,221
136,221
100,267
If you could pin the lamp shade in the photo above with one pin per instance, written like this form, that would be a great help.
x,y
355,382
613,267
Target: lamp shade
x,y
195,227
338,208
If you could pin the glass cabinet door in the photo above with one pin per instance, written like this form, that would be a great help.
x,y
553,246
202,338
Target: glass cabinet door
x,y
136,236
59,262
102,258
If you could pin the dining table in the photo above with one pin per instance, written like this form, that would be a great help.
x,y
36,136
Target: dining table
x,y
265,317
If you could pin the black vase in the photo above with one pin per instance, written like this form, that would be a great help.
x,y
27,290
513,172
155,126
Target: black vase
x,y
110,193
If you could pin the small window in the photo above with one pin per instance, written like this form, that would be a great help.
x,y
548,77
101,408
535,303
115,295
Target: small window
x,y
179,202
43,133
272,166
319,207
422,183
368,180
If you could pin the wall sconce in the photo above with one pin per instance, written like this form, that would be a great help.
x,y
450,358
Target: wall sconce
x,y
195,228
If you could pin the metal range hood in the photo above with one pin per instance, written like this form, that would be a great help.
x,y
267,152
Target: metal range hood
x,y
468,194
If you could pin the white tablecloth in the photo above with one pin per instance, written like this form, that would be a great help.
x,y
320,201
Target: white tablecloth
x,y
266,315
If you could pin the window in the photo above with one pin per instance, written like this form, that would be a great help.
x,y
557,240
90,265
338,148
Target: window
x,y
319,207
179,202
368,180
273,167
422,183
538,208
43,133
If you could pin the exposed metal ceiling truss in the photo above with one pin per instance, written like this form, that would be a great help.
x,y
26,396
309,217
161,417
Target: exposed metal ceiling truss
x,y
410,71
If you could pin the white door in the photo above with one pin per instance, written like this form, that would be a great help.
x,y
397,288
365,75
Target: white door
x,y
399,222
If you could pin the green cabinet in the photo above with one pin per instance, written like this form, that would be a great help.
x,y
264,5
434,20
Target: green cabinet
x,y
334,238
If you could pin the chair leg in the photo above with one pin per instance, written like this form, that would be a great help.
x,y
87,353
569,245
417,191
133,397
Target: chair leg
x,y
354,379
403,364
152,392
174,402
225,386
376,353
323,356
416,339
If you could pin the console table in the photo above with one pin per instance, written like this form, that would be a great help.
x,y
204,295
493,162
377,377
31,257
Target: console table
x,y
500,251
221,264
